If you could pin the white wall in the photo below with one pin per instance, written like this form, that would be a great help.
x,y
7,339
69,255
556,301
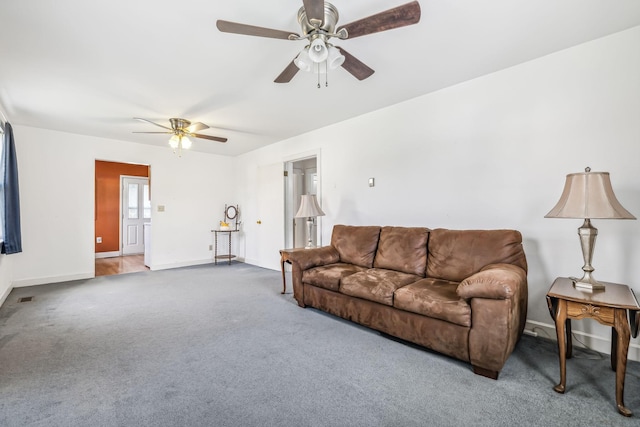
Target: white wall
x,y
493,153
57,187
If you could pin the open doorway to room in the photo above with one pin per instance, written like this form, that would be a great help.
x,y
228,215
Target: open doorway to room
x,y
302,178
122,208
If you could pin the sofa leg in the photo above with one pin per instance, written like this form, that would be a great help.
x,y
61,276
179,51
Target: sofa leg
x,y
486,372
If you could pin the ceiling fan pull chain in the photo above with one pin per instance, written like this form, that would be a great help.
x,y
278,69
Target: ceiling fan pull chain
x,y
318,76
326,74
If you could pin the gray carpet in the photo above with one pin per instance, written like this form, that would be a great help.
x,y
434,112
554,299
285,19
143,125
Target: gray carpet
x,y
220,346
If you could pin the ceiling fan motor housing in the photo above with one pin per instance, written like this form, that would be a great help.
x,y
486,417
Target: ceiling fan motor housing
x,y
179,124
329,25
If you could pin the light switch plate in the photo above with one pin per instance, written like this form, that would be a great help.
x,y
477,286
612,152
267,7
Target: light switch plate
x,y
372,182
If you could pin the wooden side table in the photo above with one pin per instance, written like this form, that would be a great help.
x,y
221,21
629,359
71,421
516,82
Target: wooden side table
x,y
284,257
610,307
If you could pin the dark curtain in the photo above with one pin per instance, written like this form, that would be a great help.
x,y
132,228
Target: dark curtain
x,y
12,236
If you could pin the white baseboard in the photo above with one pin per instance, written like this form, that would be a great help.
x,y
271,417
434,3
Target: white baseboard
x,y
155,267
4,296
47,280
591,341
257,264
108,254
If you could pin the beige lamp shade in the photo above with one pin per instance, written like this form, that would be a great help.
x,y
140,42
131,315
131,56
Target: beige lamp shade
x,y
309,207
589,195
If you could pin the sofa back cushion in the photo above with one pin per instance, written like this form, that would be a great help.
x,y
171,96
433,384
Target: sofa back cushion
x,y
457,254
403,249
356,244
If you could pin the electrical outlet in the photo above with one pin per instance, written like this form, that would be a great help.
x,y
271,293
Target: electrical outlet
x,y
210,247
98,239
160,208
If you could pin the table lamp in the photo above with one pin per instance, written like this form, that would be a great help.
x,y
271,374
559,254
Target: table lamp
x,y
309,209
588,195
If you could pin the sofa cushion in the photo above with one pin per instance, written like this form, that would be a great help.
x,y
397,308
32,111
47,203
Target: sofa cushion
x,y
376,284
356,244
329,276
403,249
434,298
457,254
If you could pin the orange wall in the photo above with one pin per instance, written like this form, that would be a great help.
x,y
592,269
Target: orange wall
x,y
108,201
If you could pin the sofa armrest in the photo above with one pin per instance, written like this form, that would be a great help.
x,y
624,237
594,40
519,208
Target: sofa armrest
x,y
314,257
498,297
495,281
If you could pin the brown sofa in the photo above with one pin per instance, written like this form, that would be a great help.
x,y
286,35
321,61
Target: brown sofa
x,y
462,293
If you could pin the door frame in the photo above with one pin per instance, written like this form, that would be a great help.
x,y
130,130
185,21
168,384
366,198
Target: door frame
x,y
97,201
288,196
121,209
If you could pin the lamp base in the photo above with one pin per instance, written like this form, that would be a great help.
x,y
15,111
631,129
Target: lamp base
x,y
310,244
587,283
587,235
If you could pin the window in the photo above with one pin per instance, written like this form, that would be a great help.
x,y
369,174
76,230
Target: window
x,y
147,202
9,194
1,182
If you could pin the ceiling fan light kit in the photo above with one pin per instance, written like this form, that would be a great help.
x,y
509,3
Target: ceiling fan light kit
x,y
318,20
309,60
180,131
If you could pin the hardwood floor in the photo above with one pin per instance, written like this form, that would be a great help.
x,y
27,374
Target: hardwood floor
x,y
120,265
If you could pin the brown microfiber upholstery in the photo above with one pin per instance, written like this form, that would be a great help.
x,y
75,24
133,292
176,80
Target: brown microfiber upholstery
x,y
376,284
356,244
329,276
457,254
403,249
434,298
471,305
314,257
438,335
495,281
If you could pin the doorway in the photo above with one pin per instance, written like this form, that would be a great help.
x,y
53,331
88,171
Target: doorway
x,y
135,213
112,212
302,178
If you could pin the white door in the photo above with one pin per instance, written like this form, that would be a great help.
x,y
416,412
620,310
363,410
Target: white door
x,y
270,215
136,210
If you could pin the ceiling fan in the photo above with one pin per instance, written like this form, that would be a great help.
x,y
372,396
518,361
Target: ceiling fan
x,y
318,20
180,130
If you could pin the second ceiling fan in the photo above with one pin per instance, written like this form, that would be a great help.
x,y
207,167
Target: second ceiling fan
x,y
318,22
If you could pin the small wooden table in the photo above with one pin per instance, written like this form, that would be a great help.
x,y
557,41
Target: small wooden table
x,y
284,257
609,307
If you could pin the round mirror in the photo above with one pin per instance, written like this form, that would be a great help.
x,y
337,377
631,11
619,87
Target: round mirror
x,y
231,212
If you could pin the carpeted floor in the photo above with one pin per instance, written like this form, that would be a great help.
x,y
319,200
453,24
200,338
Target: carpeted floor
x,y
220,346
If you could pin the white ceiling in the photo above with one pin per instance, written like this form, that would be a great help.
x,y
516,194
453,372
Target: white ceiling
x,y
90,67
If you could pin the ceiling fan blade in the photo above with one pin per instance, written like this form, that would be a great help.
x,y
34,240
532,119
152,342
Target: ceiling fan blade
x,y
356,67
212,138
153,123
251,30
400,16
154,132
287,74
314,10
195,127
